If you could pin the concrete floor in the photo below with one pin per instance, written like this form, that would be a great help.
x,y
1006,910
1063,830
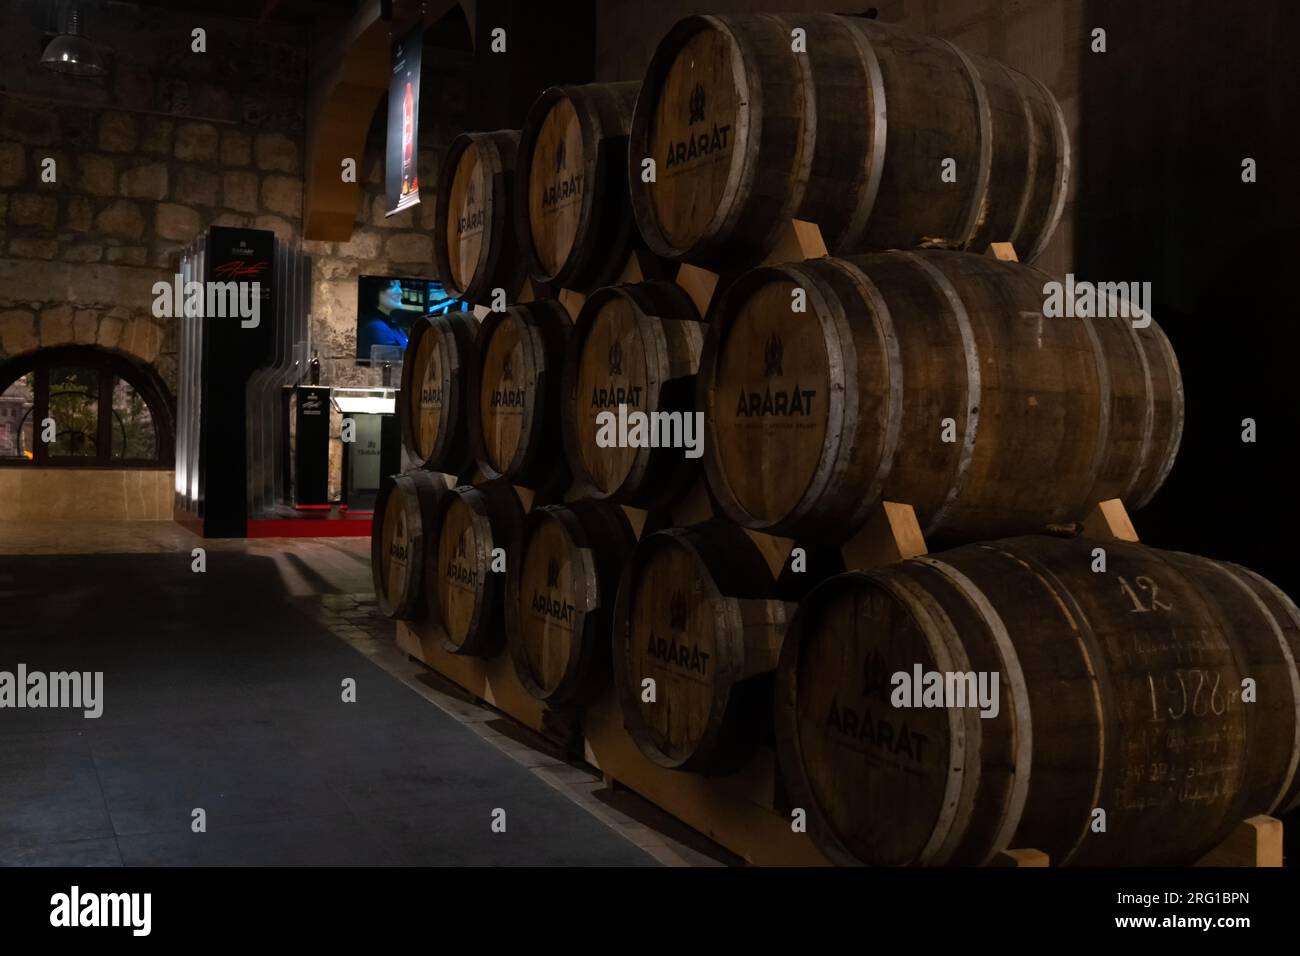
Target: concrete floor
x,y
222,693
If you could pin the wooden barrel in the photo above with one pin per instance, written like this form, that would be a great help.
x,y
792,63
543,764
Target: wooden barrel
x,y
572,213
1119,690
696,616
560,595
474,246
931,378
636,346
404,511
440,360
467,582
852,134
516,416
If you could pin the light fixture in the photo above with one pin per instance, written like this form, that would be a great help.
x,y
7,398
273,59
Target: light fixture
x,y
72,53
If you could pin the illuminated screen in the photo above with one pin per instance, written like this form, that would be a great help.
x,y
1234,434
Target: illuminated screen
x,y
387,307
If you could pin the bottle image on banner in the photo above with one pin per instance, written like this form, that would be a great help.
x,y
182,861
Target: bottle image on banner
x,y
402,155
410,182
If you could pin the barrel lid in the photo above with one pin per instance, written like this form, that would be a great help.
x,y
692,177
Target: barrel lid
x,y
551,601
876,777
611,371
394,557
770,397
464,549
673,626
467,216
557,183
696,131
507,389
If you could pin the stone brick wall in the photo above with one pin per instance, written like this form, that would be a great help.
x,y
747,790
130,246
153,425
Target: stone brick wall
x,y
170,142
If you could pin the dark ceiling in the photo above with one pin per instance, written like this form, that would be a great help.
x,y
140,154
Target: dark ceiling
x,y
283,11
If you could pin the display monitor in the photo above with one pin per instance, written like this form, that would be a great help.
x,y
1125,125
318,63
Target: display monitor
x,y
387,307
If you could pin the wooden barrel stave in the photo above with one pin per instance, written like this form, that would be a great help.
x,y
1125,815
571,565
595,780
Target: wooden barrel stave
x,y
560,595
515,411
440,358
464,590
403,515
1049,416
474,245
640,342
1119,690
850,134
575,140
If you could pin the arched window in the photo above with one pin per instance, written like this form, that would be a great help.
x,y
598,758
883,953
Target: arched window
x,y
107,411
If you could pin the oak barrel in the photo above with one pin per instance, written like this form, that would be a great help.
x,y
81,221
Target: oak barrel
x,y
404,511
467,581
440,359
851,133
637,346
573,218
1118,690
932,378
515,418
474,247
696,614
560,593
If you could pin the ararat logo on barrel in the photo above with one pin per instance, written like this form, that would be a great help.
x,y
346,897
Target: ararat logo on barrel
x,y
397,547
509,397
677,611
782,403
566,189
616,358
895,739
696,103
471,218
686,656
547,606
430,395
457,572
699,146
773,353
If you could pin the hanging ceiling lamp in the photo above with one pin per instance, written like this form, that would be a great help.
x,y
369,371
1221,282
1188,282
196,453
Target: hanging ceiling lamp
x,y
72,53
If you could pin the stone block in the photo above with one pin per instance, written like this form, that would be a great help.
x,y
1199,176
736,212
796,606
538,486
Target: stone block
x,y
276,152
122,219
176,222
196,143
118,133
145,182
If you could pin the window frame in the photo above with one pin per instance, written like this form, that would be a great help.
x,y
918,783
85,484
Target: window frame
x,y
110,367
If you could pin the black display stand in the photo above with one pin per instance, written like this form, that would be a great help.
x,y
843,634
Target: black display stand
x,y
219,355
311,450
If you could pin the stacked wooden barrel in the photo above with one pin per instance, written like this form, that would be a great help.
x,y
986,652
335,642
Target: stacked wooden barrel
x,y
467,570
441,357
635,349
884,138
559,596
904,367
1124,691
474,247
573,216
515,414
929,377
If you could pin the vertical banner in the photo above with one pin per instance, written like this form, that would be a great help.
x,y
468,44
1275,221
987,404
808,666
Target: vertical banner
x,y
404,123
